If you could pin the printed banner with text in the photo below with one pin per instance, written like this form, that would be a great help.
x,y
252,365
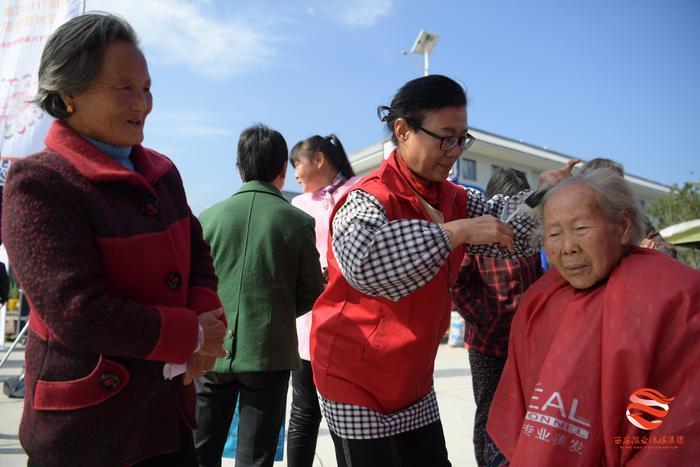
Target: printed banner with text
x,y
24,27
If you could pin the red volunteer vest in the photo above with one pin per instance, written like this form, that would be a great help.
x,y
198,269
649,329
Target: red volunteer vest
x,y
372,351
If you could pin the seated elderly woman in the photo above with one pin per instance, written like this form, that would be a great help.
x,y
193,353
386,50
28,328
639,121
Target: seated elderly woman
x,y
603,353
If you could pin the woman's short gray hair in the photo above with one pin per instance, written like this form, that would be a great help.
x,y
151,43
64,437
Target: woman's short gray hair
x,y
614,198
73,55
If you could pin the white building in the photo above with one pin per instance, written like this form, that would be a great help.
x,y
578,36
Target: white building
x,y
491,151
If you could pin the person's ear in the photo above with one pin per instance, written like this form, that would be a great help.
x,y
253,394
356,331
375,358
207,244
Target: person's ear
x,y
68,101
401,129
625,229
278,181
318,159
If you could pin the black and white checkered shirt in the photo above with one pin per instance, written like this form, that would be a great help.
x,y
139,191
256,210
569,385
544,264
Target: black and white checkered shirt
x,y
354,422
391,259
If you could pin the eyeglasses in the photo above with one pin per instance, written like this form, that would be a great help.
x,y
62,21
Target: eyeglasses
x,y
447,143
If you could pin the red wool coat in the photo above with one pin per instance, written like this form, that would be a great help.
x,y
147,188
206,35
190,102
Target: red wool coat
x,y
116,271
371,351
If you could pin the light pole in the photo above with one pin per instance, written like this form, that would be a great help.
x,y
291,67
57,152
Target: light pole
x,y
424,44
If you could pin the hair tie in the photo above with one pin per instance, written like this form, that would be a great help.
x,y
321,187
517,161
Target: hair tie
x,y
383,112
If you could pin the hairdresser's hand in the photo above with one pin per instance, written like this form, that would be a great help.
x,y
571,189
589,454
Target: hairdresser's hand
x,y
214,332
648,243
554,176
197,365
481,230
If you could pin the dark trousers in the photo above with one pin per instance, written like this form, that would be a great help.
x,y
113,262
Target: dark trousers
x,y
304,419
418,448
492,456
486,372
263,398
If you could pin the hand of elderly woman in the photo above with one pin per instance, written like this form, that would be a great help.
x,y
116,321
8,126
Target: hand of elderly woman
x,y
554,176
214,331
197,365
480,230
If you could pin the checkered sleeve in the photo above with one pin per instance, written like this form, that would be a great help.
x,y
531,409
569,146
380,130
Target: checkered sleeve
x,y
519,215
385,258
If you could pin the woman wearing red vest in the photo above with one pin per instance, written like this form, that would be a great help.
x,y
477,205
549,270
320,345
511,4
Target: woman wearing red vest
x,y
397,240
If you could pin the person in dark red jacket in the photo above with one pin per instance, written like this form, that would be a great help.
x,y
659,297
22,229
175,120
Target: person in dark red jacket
x,y
396,244
120,282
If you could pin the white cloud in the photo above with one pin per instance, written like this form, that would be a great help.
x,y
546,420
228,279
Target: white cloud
x,y
177,31
185,124
364,12
205,130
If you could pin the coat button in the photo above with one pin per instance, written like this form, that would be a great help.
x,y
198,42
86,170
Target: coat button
x,y
150,207
227,354
174,280
109,382
229,333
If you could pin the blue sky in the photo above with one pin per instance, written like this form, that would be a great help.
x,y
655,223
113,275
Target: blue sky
x,y
615,78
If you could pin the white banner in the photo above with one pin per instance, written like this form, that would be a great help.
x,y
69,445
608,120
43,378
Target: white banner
x,y
24,27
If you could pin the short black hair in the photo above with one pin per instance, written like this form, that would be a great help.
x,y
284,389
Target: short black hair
x,y
417,98
506,181
262,153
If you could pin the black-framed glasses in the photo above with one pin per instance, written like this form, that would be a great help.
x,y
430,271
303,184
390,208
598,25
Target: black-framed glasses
x,y
447,143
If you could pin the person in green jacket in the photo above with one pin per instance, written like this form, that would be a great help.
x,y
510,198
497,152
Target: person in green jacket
x,y
269,274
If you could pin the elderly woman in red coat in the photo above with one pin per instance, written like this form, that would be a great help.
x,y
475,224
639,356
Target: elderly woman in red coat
x,y
603,356
120,281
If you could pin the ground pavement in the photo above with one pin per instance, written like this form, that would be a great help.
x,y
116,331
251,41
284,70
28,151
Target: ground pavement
x,y
452,385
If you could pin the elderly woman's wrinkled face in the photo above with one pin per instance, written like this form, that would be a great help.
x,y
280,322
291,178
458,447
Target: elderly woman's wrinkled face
x,y
422,152
582,243
113,109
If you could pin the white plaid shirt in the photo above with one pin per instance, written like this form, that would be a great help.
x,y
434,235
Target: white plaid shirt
x,y
391,259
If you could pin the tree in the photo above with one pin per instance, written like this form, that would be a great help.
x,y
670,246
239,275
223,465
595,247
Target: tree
x,y
682,204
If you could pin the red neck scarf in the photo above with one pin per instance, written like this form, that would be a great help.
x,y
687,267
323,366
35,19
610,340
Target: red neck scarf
x,y
429,191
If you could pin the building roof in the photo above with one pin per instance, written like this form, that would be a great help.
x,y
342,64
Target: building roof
x,y
553,156
289,195
504,149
